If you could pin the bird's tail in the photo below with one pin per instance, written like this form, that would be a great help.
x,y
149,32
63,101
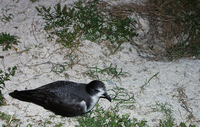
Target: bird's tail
x,y
27,95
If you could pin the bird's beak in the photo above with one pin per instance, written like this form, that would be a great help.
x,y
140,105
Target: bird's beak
x,y
105,95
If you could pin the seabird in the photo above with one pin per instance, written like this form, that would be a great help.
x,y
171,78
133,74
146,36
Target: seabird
x,y
65,98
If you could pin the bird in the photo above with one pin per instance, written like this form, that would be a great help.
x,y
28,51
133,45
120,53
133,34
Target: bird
x,y
65,98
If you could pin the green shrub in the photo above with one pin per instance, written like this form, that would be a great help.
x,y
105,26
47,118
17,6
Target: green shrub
x,y
86,21
7,41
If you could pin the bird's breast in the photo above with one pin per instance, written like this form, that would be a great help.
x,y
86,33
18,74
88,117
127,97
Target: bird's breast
x,y
93,102
83,105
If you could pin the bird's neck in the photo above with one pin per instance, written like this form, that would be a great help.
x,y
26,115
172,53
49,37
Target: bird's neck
x,y
94,100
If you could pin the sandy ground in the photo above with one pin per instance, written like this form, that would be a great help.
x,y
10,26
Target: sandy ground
x,y
177,84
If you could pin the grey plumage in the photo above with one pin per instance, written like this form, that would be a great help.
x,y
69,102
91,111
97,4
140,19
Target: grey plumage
x,y
65,98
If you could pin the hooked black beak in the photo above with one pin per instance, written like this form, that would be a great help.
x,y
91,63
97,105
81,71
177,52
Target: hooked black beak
x,y
105,95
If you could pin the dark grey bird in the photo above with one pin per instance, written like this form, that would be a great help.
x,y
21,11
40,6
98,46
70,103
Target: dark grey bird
x,y
65,98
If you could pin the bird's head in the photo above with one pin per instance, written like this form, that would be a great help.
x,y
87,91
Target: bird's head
x,y
98,89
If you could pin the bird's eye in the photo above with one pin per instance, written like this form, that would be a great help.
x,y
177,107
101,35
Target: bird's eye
x,y
96,90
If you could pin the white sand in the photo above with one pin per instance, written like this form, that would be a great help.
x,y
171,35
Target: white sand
x,y
34,71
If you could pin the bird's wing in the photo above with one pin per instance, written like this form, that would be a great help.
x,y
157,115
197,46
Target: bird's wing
x,y
65,104
60,98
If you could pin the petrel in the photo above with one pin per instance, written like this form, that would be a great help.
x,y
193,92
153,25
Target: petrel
x,y
65,98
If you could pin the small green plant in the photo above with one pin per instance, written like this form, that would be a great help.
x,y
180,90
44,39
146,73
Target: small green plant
x,y
7,41
29,125
182,124
114,72
8,118
166,109
7,16
33,1
143,70
72,58
4,76
147,81
122,97
59,68
86,21
58,125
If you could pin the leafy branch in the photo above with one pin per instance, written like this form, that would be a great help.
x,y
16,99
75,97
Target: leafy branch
x,y
4,76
